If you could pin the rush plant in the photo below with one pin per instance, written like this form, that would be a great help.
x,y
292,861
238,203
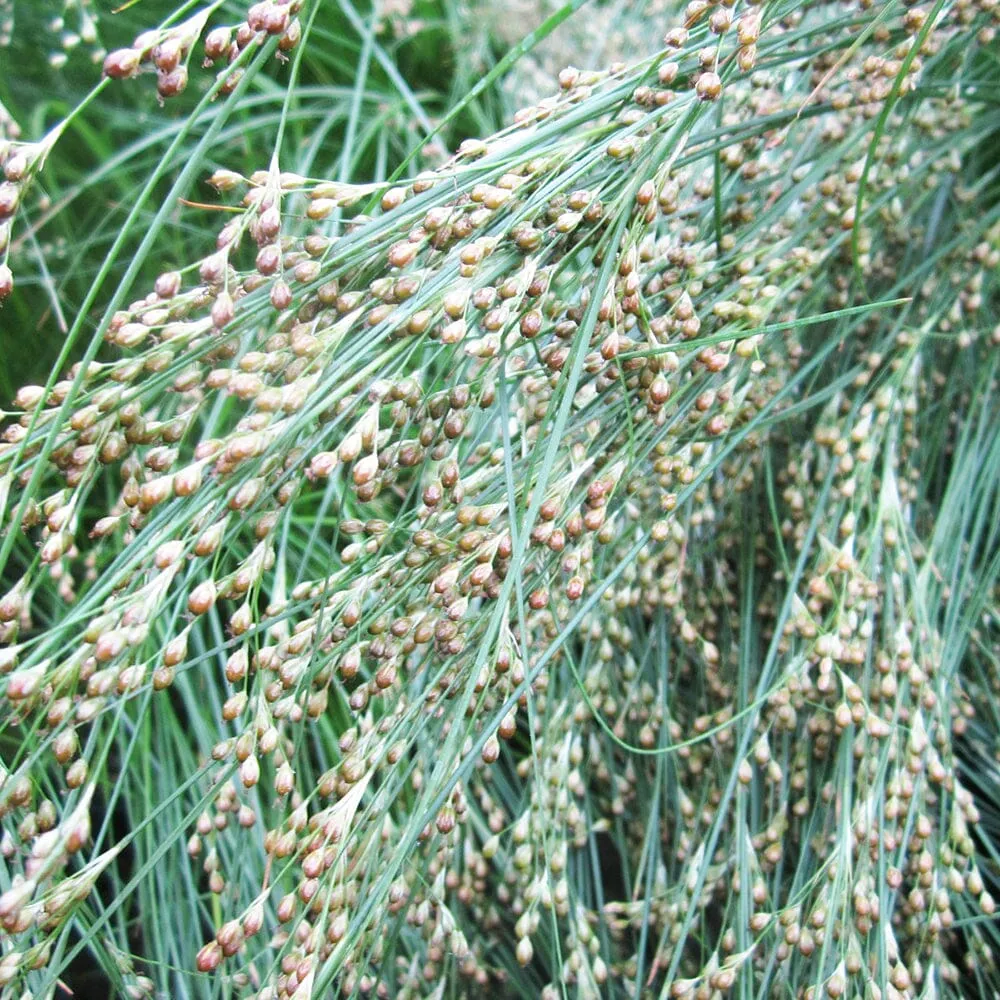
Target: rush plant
x,y
452,549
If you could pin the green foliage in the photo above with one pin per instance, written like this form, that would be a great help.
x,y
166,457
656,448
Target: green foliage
x,y
456,550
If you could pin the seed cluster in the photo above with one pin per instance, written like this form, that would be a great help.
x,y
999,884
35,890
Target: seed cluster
x,y
567,420
168,52
16,163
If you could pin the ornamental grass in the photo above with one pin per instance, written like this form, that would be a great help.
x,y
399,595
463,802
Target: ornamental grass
x,y
460,546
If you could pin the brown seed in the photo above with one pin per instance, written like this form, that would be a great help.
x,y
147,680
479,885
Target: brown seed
x,y
167,55
16,166
275,20
402,254
217,43
365,470
222,310
708,86
209,958
202,598
531,324
269,259
446,820
538,599
168,284
508,726
122,63
491,750
10,196
172,83
281,295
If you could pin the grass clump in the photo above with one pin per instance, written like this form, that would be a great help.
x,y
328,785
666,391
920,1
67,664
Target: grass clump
x,y
563,566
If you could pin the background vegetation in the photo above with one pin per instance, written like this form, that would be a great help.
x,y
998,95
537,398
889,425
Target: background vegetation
x,y
499,499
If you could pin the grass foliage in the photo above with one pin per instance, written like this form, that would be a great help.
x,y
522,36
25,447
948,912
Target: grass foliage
x,y
450,547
